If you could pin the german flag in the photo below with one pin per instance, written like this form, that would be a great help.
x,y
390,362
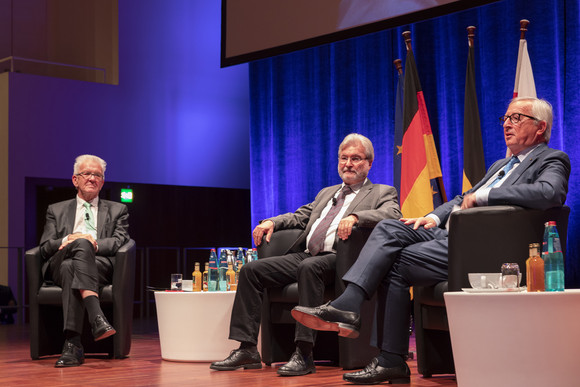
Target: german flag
x,y
473,159
421,178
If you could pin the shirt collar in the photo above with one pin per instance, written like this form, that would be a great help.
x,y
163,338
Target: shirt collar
x,y
523,154
356,187
93,203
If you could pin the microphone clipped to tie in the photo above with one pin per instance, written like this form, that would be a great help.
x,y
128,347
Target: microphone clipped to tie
x,y
501,174
87,217
334,201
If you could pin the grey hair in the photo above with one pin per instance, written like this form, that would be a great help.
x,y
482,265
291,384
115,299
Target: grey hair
x,y
86,158
355,138
542,110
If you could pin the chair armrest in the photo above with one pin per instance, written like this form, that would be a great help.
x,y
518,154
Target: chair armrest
x,y
280,243
34,263
124,270
482,238
347,252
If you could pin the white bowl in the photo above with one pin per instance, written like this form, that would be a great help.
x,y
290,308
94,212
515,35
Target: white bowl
x,y
485,280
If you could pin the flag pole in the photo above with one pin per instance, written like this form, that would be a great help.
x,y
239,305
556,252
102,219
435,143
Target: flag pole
x,y
407,37
470,35
523,28
399,66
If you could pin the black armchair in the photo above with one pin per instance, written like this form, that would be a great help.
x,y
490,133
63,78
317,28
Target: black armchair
x,y
45,301
481,239
278,325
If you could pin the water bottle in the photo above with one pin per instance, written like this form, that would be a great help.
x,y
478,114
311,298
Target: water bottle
x,y
553,259
240,258
252,255
223,268
212,281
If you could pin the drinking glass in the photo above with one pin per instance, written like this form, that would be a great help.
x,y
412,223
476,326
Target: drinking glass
x,y
510,275
176,281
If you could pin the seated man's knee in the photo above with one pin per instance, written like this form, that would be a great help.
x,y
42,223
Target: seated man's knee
x,y
308,266
82,243
389,223
387,226
304,268
249,269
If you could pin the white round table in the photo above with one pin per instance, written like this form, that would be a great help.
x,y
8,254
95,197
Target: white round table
x,y
194,326
515,338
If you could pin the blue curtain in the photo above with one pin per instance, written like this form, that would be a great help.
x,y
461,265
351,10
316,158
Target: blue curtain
x,y
304,103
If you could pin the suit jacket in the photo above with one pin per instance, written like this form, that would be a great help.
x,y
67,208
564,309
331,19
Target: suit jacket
x,y
373,203
112,226
540,182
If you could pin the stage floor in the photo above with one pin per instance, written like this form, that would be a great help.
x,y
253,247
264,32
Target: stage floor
x,y
144,367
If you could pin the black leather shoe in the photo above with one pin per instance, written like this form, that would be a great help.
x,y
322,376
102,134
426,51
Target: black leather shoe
x,y
298,365
72,356
239,358
328,318
101,328
375,374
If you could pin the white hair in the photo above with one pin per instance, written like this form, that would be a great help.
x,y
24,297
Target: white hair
x,y
358,139
542,110
86,158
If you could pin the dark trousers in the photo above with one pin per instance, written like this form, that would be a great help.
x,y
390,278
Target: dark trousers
x,y
74,268
311,273
394,258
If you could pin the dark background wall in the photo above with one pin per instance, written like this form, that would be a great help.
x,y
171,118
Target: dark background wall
x,y
175,127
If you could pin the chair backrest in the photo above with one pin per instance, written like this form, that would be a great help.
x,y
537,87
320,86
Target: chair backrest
x,y
482,238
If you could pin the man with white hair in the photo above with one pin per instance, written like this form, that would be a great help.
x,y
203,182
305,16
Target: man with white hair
x,y
311,260
79,241
406,252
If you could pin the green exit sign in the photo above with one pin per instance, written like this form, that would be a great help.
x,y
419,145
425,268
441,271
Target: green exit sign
x,y
126,195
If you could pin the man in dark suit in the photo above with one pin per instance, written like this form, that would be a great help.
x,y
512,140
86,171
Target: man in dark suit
x,y
74,233
399,254
311,261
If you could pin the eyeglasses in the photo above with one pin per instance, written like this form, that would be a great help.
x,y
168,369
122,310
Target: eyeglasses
x,y
354,159
515,118
88,175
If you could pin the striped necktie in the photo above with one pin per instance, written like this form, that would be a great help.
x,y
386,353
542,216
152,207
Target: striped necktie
x,y
316,243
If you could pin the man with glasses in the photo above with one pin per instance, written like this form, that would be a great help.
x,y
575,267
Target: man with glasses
x,y
80,235
311,260
406,252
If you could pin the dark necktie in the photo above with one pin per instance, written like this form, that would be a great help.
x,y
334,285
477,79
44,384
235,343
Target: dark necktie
x,y
513,161
316,243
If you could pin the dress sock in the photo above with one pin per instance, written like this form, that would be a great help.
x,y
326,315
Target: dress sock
x,y
389,359
351,299
305,347
93,307
248,346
